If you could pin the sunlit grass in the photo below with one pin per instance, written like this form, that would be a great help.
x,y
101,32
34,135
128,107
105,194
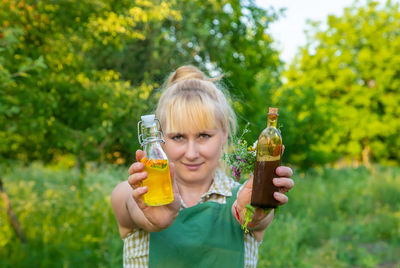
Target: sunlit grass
x,y
335,218
67,223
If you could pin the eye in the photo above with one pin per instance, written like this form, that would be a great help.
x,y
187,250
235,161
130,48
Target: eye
x,y
177,137
204,136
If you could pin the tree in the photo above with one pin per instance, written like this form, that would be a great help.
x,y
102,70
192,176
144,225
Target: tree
x,y
76,77
342,91
224,36
53,99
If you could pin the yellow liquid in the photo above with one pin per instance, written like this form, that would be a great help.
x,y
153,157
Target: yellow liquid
x,y
159,185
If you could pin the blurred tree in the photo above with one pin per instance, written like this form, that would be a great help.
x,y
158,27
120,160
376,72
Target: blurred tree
x,y
75,77
54,100
342,93
224,36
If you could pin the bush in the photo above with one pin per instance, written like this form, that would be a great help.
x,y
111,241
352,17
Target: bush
x,y
67,223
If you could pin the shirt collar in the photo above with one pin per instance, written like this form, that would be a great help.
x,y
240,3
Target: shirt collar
x,y
219,186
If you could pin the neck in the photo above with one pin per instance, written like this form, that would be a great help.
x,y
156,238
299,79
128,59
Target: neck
x,y
192,191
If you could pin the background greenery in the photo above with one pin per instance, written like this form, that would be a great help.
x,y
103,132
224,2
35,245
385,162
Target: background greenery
x,y
335,218
76,75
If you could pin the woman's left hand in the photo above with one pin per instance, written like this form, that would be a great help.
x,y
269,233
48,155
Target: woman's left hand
x,y
283,182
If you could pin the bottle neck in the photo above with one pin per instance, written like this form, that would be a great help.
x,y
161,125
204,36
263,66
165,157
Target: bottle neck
x,y
272,120
152,134
154,150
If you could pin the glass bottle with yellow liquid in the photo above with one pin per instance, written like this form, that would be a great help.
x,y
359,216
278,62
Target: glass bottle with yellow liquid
x,y
155,162
268,158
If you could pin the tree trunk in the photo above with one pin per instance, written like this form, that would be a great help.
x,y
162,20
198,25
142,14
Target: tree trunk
x,y
365,156
13,219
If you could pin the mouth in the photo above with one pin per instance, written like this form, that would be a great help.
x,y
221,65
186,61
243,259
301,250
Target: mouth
x,y
193,167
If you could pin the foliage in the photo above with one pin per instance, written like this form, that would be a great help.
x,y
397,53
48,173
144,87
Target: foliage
x,y
342,96
337,218
54,101
70,225
241,162
66,224
242,158
75,77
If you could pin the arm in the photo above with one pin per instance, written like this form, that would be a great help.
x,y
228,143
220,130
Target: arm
x,y
126,211
130,210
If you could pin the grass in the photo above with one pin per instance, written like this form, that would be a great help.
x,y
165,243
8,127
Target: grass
x,y
337,218
334,218
67,223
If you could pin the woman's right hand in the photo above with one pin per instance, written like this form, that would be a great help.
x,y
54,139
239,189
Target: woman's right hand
x,y
157,218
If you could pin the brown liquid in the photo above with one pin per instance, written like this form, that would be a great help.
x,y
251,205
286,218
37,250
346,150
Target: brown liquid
x,y
263,189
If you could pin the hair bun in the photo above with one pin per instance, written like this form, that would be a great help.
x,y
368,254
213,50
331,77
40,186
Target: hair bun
x,y
186,72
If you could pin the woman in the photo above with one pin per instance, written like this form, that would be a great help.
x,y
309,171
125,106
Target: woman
x,y
202,226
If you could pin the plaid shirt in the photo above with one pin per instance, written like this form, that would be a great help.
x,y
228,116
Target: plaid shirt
x,y
136,244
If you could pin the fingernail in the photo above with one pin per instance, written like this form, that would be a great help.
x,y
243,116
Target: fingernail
x,y
143,189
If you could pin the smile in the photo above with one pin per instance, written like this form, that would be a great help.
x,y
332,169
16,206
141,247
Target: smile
x,y
193,167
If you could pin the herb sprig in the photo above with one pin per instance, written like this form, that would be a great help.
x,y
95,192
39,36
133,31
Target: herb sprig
x,y
243,157
242,160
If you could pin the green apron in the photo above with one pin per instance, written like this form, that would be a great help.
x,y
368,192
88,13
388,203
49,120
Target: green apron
x,y
205,235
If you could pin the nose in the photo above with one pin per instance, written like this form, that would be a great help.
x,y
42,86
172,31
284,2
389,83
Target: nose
x,y
192,152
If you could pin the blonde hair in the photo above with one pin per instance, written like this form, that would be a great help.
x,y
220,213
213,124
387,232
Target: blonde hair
x,y
191,100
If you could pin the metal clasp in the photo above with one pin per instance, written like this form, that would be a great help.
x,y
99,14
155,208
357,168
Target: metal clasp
x,y
141,130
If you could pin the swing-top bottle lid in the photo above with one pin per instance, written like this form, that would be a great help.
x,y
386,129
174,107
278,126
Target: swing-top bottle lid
x,y
273,111
148,120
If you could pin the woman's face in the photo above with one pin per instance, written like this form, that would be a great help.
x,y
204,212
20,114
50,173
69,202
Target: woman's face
x,y
195,154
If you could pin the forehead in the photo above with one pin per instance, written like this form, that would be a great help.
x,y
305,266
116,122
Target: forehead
x,y
191,117
188,123
193,131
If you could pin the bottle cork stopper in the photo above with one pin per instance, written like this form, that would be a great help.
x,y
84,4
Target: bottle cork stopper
x,y
273,110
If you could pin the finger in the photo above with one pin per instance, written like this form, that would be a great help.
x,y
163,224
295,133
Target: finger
x,y
140,154
281,198
283,182
137,196
283,149
283,171
135,167
135,180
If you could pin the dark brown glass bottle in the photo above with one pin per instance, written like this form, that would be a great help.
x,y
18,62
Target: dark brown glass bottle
x,y
269,150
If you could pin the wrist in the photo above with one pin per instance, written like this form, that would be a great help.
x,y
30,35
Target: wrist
x,y
245,217
235,211
262,223
239,215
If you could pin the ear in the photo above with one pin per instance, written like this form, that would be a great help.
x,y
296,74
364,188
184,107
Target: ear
x,y
225,137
